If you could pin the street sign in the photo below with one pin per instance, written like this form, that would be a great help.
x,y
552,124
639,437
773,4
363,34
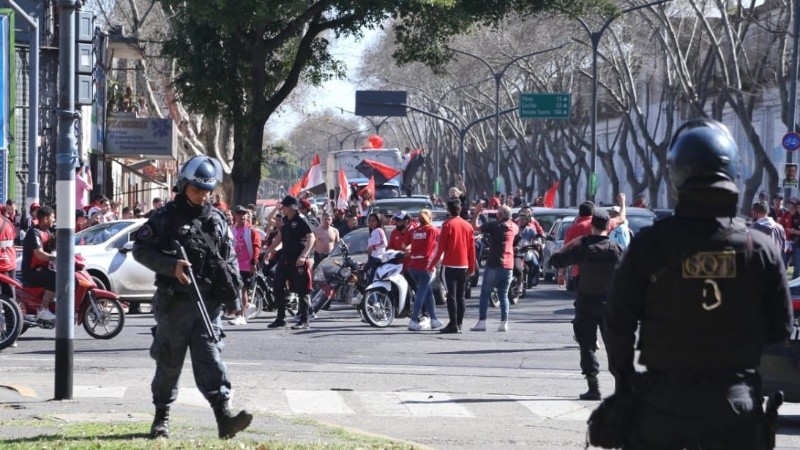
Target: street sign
x,y
791,141
544,106
381,103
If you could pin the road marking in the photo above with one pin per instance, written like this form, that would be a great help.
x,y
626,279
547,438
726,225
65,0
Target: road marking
x,y
99,391
556,407
428,404
191,397
316,402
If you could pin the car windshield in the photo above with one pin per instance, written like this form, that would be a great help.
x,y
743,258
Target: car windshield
x,y
356,241
100,233
566,223
636,223
412,207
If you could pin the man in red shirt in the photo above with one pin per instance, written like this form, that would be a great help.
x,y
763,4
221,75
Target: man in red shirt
x,y
583,227
403,225
495,201
457,244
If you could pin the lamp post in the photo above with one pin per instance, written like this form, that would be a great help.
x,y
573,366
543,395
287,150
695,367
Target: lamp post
x,y
792,119
374,125
595,37
498,78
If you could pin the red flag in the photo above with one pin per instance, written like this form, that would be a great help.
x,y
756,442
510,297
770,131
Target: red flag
x,y
382,172
550,196
370,187
344,190
312,181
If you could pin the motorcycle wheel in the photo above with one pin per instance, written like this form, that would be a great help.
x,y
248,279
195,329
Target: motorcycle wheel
x,y
513,292
257,299
378,308
107,321
318,300
291,305
494,299
10,322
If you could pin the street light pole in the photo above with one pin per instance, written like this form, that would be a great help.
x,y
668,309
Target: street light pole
x,y
792,119
498,78
595,37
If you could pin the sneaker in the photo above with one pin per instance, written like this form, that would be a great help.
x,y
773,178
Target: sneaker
x,y
312,316
301,325
436,324
503,326
413,325
425,323
239,320
45,314
228,315
480,326
277,324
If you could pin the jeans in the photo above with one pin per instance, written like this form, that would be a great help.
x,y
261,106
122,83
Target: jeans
x,y
424,294
500,278
796,262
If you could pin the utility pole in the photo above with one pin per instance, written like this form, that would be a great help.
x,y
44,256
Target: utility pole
x,y
793,84
66,161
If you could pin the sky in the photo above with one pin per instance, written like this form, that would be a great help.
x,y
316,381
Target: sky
x,y
333,94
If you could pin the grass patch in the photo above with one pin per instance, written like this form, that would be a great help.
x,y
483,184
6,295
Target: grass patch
x,y
134,436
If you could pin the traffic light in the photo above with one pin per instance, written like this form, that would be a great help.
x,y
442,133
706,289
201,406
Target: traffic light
x,y
85,54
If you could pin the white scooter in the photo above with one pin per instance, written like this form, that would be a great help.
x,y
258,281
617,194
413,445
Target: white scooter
x,y
388,296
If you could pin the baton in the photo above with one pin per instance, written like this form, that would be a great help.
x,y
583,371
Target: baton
x,y
198,297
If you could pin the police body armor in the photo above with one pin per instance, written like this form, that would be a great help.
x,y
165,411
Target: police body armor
x,y
700,311
597,268
209,255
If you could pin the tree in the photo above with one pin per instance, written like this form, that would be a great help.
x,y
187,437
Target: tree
x,y
241,60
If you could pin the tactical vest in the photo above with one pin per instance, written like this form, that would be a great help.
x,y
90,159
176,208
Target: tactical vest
x,y
703,307
597,269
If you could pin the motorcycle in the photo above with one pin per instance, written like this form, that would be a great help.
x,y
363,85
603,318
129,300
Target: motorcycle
x,y
10,322
526,268
344,285
99,311
388,296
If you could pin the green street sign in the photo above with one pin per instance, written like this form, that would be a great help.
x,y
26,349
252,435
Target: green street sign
x,y
544,106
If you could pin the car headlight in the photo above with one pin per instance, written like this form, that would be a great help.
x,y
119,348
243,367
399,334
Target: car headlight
x,y
319,275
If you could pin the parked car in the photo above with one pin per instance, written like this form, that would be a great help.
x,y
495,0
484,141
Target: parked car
x,y
412,205
548,216
553,242
107,250
639,218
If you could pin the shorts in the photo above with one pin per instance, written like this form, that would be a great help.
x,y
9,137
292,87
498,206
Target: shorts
x,y
248,279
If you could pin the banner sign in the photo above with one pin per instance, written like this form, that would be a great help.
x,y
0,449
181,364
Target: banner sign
x,y
4,81
141,138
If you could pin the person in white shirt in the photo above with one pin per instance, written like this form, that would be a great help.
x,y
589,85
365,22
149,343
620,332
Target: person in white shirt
x,y
83,184
376,245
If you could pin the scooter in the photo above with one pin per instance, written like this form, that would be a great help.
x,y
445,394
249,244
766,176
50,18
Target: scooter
x,y
388,296
98,310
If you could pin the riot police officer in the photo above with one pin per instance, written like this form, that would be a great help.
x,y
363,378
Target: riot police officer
x,y
192,222
708,296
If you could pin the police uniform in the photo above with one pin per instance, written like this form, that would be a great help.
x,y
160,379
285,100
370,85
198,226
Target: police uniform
x,y
708,295
597,256
205,235
293,240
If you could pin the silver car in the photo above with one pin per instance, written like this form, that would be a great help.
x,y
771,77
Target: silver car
x,y
107,250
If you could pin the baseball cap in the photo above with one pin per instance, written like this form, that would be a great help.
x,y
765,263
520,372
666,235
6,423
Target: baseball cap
x,y
34,205
401,215
600,219
792,200
291,202
777,195
240,209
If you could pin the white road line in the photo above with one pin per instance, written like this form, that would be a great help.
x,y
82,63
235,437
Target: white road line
x,y
317,402
191,397
429,404
556,407
99,391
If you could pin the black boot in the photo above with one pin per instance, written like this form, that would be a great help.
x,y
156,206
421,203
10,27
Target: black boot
x,y
594,389
228,424
160,427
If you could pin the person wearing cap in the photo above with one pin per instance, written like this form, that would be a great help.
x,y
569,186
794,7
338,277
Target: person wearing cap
x,y
777,209
597,256
403,225
791,223
297,240
247,244
80,219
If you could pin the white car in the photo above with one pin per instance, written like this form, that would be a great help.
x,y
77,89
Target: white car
x,y
106,247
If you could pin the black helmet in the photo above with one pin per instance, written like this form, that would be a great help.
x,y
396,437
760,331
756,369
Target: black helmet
x,y
202,172
703,151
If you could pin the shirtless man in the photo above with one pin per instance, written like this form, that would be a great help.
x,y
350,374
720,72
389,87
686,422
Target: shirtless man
x,y
326,239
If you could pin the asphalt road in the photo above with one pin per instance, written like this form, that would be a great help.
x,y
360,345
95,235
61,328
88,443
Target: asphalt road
x,y
472,390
